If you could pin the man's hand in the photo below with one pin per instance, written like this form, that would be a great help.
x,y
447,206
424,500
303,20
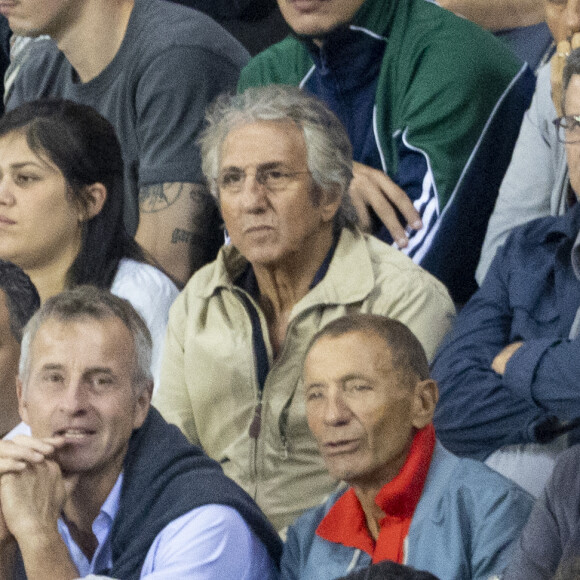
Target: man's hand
x,y
501,360
371,187
32,495
179,226
16,456
557,64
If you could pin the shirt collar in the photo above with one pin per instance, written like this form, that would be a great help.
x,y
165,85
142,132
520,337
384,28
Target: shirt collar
x,y
102,525
345,522
111,505
247,280
567,227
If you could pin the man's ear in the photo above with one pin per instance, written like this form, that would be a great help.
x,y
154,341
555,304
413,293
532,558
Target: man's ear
x,y
95,196
425,397
22,407
329,203
142,405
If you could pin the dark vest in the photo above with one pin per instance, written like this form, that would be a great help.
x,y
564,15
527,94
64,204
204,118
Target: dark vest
x,y
164,478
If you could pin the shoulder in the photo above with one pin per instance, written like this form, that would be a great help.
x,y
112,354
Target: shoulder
x,y
286,62
471,485
529,237
442,34
38,70
395,270
158,25
220,273
302,532
140,279
148,290
212,540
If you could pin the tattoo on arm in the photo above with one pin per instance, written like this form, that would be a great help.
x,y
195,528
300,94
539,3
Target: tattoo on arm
x,y
159,196
184,236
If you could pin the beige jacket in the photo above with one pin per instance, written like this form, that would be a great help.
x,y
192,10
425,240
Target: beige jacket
x,y
209,384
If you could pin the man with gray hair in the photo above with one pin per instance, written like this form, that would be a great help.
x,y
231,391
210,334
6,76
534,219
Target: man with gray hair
x,y
18,302
104,485
432,104
280,164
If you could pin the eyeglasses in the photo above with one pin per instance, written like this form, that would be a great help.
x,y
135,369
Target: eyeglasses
x,y
273,179
568,128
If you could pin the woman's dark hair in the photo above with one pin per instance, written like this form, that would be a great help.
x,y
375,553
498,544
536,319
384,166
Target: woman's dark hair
x,y
84,147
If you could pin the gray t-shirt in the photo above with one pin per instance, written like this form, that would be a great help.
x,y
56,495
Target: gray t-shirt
x,y
172,63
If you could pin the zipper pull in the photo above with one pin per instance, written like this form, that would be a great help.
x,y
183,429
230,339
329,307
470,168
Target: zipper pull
x,y
256,423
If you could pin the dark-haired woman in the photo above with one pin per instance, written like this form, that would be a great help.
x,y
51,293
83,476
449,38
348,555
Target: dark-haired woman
x,y
61,209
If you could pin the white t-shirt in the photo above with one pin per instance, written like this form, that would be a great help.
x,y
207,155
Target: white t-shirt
x,y
151,293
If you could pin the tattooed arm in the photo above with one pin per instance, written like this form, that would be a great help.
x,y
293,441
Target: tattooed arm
x,y
179,227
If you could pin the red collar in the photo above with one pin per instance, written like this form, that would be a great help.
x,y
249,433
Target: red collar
x,y
345,523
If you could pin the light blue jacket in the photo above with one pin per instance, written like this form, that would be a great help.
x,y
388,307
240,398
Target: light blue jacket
x,y
464,527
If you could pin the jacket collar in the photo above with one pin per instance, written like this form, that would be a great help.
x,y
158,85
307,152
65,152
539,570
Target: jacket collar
x,y
349,277
567,225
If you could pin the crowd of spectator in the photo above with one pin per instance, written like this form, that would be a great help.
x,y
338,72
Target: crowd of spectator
x,y
290,289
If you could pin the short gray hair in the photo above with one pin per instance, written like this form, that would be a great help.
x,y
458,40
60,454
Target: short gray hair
x,y
328,148
406,351
89,302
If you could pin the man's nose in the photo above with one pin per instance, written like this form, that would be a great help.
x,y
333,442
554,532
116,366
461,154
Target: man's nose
x,y
254,194
74,398
336,411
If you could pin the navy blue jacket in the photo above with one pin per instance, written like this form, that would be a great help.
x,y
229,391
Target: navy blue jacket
x,y
531,294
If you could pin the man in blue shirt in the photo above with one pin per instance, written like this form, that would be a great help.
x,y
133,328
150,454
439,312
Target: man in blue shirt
x,y
104,485
508,372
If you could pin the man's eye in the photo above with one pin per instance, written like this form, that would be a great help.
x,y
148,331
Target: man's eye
x,y
53,378
274,174
231,179
358,387
102,381
314,395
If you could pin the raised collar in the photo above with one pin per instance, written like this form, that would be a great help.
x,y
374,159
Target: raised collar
x,y
565,227
248,282
349,57
345,522
349,277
